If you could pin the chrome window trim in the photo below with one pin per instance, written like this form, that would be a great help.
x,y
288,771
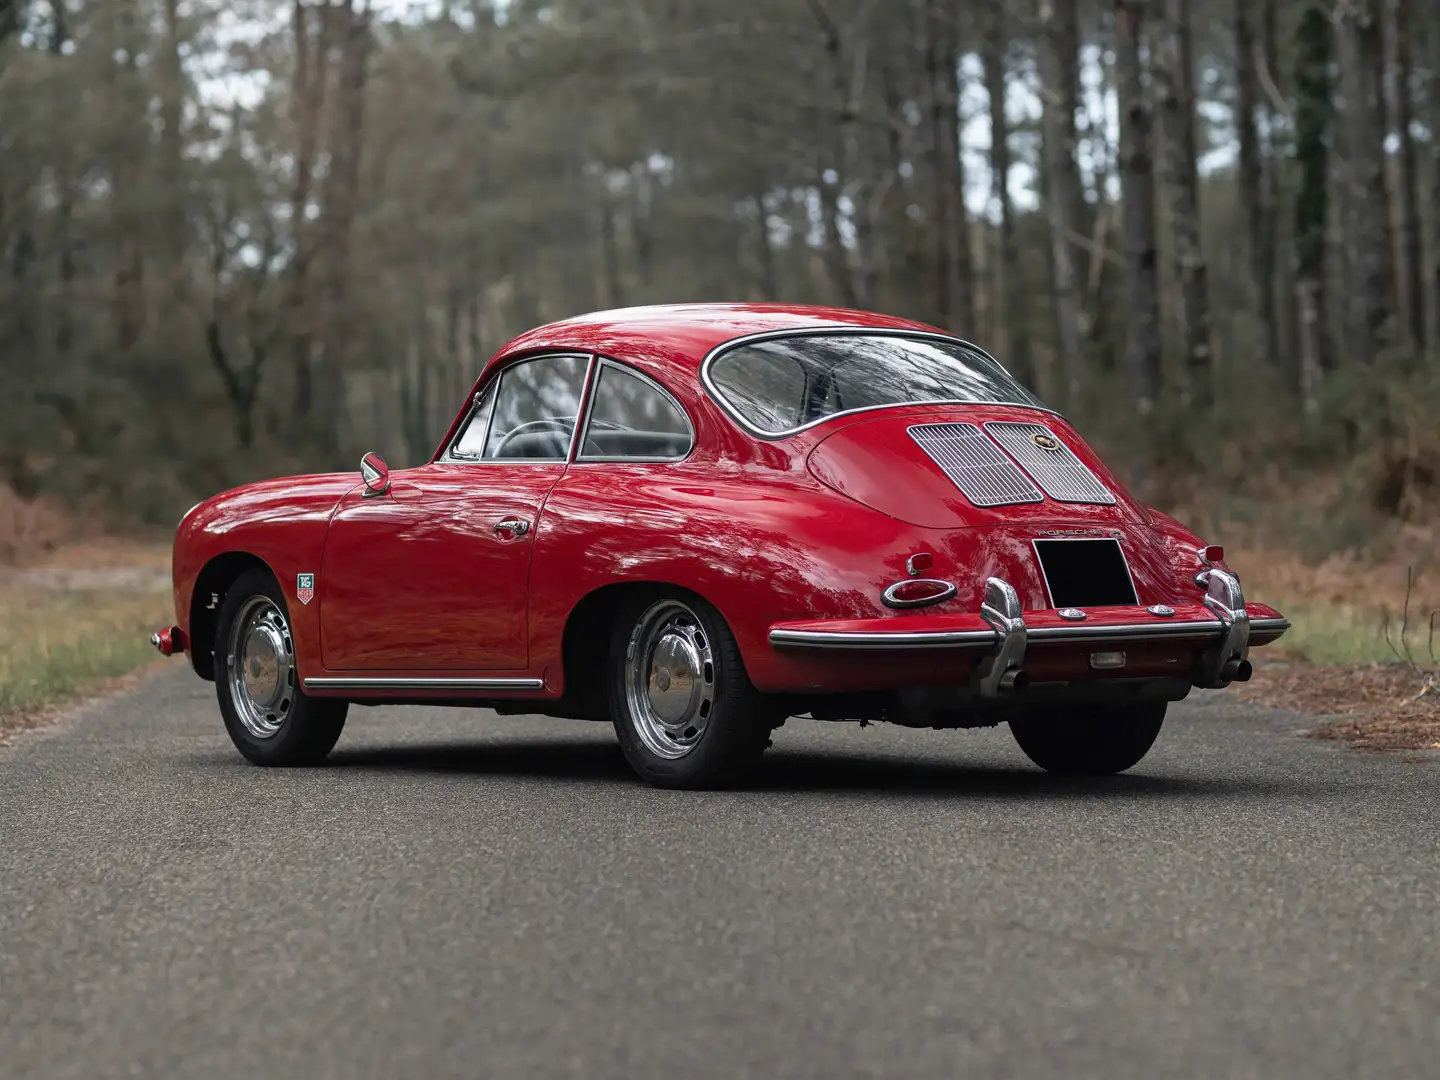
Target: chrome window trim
x,y
583,431
1124,559
720,350
449,458
366,683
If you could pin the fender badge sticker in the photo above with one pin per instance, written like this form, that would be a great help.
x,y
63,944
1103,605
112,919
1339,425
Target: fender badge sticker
x,y
304,588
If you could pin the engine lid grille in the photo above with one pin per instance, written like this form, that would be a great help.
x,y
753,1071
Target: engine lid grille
x,y
975,465
1063,476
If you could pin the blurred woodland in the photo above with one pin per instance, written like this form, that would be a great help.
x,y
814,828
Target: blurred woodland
x,y
240,237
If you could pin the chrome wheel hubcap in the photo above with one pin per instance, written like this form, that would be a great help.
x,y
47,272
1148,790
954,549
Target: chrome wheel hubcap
x,y
261,665
669,679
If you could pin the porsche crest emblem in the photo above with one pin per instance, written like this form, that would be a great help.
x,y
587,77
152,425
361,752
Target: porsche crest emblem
x,y
1045,441
304,588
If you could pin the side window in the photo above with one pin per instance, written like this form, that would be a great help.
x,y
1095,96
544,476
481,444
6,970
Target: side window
x,y
536,404
632,418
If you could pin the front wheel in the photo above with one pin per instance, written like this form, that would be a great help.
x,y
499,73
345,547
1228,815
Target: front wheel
x,y
1089,741
270,720
684,710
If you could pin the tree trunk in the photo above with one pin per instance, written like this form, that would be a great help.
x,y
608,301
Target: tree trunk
x,y
1176,78
1412,228
172,109
963,302
1361,58
1062,186
1138,180
941,225
769,276
610,252
1009,321
307,99
1255,180
341,199
1314,115
1432,30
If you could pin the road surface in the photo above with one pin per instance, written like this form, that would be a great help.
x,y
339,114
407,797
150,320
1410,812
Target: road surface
x,y
459,894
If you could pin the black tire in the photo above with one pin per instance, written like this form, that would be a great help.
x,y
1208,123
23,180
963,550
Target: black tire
x,y
305,728
737,725
1093,741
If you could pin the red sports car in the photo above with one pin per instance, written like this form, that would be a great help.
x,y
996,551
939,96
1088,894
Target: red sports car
x,y
698,521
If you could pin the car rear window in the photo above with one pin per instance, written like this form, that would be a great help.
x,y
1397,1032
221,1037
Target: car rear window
x,y
782,384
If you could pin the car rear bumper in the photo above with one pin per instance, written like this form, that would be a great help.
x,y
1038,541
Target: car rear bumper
x,y
1216,634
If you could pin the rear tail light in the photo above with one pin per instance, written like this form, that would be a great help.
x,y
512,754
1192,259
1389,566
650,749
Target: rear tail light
x,y
1211,555
918,592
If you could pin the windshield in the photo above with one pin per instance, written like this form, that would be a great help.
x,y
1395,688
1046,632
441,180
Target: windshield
x,y
786,383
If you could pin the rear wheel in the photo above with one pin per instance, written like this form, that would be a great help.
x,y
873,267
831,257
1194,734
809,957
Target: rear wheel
x,y
684,710
1089,742
269,718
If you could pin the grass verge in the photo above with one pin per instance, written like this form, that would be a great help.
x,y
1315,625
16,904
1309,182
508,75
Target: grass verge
x,y
58,644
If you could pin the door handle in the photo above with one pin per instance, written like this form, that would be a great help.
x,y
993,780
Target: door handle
x,y
513,526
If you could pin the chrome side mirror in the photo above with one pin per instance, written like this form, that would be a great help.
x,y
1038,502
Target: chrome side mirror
x,y
375,473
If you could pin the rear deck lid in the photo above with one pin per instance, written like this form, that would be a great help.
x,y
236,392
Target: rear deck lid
x,y
956,466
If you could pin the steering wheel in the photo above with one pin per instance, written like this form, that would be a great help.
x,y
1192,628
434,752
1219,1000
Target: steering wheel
x,y
549,423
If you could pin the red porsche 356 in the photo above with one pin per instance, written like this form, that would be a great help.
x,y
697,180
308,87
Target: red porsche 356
x,y
698,521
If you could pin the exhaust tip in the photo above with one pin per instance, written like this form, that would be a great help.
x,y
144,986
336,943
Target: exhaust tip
x,y
1015,680
1237,671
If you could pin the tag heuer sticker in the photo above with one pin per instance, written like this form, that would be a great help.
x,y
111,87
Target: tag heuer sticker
x,y
304,588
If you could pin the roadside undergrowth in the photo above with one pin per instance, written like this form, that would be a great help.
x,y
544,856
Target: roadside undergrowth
x,y
73,621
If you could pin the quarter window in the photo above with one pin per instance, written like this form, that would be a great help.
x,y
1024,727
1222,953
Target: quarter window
x,y
633,418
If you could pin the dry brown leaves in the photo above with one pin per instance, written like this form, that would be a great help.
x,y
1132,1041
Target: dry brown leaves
x,y
1384,706
31,527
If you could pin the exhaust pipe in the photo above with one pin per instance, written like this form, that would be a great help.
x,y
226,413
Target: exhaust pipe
x,y
1015,680
1237,671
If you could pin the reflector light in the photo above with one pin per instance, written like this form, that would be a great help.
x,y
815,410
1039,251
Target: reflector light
x,y
918,592
918,563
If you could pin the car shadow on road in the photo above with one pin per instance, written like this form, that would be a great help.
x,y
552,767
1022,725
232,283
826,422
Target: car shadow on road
x,y
807,771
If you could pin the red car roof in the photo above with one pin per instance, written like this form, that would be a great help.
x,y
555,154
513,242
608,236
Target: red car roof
x,y
680,335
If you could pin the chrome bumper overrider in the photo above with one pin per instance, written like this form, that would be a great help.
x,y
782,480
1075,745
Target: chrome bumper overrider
x,y
1003,668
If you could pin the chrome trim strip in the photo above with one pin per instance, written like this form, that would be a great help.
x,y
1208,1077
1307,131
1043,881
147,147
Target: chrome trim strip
x,y
589,407
846,639
1269,624
826,331
363,683
1159,631
587,396
937,639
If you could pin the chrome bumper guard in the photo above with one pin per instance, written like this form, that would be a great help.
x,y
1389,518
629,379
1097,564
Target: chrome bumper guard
x,y
1003,668
1225,662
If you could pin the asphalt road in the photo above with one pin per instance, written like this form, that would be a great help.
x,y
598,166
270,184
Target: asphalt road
x,y
459,894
